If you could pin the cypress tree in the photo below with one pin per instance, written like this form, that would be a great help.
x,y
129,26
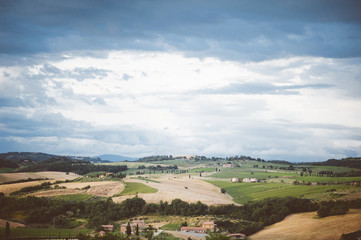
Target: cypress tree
x,y
129,229
7,230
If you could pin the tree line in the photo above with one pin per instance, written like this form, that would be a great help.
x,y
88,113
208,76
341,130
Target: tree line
x,y
104,211
253,216
7,164
197,158
63,164
344,162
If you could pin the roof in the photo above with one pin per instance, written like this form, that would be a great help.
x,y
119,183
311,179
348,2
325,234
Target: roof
x,y
138,221
209,222
130,224
107,225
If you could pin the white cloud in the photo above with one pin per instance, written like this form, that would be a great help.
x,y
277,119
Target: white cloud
x,y
166,106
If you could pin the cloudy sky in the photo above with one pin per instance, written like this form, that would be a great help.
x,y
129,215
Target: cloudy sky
x,y
269,79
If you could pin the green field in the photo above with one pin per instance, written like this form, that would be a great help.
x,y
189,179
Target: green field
x,y
244,192
168,236
202,170
328,168
134,188
7,170
179,163
144,179
24,232
171,226
94,174
76,197
326,179
261,174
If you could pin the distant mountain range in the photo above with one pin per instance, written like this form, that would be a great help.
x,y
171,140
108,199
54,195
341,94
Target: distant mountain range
x,y
32,156
19,157
116,158
38,157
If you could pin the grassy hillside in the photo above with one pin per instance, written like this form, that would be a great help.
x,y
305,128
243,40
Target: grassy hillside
x,y
134,188
244,192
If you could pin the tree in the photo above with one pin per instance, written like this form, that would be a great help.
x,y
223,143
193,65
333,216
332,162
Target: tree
x,y
137,230
129,229
7,230
61,221
323,211
149,235
213,236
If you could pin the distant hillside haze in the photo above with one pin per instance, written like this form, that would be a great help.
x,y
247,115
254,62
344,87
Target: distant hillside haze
x,y
39,156
32,156
18,157
116,158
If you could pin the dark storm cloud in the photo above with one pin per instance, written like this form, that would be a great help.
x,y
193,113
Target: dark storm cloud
x,y
227,29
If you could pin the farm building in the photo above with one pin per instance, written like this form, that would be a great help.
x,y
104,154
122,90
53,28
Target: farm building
x,y
205,226
194,229
141,224
227,165
133,226
210,225
108,227
235,180
247,180
253,180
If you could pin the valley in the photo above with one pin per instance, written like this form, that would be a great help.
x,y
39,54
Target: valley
x,y
216,183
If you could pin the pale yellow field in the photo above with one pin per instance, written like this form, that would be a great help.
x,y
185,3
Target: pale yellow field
x,y
7,177
103,189
106,190
188,189
305,226
9,188
12,224
56,192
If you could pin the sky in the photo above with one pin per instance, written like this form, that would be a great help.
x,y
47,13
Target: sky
x,y
268,79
